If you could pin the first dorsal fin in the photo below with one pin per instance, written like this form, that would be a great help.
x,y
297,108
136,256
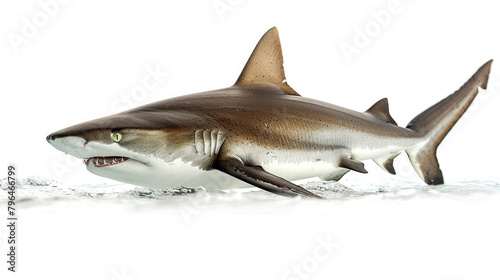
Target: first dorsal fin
x,y
265,65
381,110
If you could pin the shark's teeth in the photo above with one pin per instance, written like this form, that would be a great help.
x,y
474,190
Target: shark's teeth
x,y
104,161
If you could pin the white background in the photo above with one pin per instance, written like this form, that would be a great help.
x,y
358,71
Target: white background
x,y
88,55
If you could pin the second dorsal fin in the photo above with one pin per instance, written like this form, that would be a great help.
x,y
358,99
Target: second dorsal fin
x,y
381,110
265,65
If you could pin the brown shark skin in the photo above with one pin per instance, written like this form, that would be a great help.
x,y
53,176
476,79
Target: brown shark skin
x,y
262,116
259,122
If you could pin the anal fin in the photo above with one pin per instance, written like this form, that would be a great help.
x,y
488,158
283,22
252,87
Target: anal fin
x,y
387,163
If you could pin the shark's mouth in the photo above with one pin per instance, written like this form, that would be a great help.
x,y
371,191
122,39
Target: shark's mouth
x,y
104,161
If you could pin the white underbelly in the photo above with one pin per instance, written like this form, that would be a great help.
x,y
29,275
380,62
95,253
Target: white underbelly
x,y
179,173
299,171
159,174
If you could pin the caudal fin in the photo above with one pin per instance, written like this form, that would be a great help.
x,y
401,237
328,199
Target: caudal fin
x,y
434,124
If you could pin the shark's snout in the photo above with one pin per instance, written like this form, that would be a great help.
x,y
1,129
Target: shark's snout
x,y
51,137
95,154
59,135
72,145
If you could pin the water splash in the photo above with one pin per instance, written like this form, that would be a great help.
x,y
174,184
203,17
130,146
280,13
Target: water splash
x,y
39,188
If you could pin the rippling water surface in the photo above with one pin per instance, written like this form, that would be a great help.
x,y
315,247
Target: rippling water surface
x,y
361,231
37,189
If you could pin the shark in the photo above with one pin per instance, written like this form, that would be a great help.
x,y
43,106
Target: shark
x,y
260,133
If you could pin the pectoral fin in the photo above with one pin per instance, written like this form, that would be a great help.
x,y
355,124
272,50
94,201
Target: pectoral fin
x,y
257,176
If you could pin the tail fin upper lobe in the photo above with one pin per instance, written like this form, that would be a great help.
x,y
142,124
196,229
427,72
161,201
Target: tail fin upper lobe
x,y
434,124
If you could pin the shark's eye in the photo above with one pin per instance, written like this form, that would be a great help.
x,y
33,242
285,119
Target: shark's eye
x,y
117,136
